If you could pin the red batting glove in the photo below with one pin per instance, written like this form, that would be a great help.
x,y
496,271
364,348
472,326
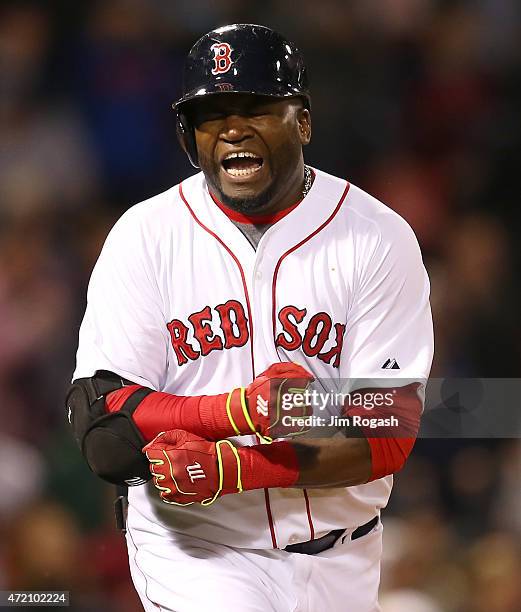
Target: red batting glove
x,y
260,407
188,469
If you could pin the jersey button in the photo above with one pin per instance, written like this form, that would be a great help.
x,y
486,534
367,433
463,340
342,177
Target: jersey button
x,y
258,275
293,540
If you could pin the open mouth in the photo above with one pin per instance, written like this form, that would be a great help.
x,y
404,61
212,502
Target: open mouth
x,y
243,163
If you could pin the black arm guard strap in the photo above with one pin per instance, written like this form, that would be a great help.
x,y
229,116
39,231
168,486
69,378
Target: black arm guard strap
x,y
110,442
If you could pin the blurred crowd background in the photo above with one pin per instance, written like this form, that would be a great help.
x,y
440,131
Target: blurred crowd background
x,y
416,101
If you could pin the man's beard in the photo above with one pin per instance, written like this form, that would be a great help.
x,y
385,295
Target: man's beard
x,y
246,206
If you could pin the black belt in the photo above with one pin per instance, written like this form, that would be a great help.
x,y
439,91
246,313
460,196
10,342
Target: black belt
x,y
313,547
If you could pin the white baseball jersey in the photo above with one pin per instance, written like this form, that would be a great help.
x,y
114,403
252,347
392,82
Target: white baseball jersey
x,y
181,302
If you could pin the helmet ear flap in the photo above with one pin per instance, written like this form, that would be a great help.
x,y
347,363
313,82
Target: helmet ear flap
x,y
186,137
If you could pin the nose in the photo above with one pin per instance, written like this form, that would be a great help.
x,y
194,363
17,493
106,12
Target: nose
x,y
235,128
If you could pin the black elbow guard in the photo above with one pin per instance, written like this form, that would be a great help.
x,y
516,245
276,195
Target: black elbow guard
x,y
110,442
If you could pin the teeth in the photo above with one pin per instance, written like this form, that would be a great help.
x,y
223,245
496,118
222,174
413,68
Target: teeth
x,y
240,154
243,171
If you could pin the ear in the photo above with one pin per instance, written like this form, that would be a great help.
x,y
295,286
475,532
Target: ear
x,y
304,125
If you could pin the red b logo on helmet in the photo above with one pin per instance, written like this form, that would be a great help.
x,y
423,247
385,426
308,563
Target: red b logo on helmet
x,y
222,59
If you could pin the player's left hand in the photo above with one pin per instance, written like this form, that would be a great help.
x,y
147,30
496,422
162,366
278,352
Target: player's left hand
x,y
187,469
260,407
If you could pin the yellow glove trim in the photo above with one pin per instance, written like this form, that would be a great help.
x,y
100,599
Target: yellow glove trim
x,y
210,500
246,413
229,412
245,410
159,477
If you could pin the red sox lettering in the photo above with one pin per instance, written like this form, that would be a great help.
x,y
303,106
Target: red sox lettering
x,y
316,334
232,322
310,335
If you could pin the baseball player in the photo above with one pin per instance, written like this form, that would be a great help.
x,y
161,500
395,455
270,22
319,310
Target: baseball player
x,y
212,308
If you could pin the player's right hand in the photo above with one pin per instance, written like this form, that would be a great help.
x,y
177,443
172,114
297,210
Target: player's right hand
x,y
260,407
188,469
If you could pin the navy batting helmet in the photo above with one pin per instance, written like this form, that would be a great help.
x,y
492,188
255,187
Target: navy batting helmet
x,y
239,58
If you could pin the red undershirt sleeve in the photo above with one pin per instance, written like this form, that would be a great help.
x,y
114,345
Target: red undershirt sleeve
x,y
390,444
201,415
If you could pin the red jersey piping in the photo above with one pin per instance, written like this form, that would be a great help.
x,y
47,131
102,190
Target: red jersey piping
x,y
270,518
274,309
297,246
238,263
310,520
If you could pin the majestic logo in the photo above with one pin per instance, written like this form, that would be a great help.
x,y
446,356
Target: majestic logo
x,y
221,58
195,471
262,406
391,364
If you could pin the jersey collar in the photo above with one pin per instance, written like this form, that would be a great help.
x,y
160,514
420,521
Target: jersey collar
x,y
269,219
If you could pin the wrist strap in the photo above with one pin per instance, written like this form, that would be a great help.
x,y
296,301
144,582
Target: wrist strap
x,y
269,466
223,469
237,411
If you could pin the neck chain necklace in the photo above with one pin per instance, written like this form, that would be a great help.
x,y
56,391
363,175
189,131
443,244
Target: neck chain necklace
x,y
308,181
